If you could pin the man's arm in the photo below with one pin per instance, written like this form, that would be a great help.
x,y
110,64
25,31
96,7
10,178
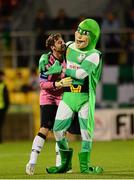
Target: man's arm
x,y
46,84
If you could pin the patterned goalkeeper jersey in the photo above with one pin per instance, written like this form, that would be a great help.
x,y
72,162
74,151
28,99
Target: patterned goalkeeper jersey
x,y
48,93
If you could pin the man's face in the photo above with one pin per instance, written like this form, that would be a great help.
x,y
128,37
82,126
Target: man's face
x,y
81,40
59,45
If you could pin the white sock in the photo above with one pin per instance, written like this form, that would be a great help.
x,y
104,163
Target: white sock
x,y
38,143
58,157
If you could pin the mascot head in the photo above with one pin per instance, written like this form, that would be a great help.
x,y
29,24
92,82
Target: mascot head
x,y
87,34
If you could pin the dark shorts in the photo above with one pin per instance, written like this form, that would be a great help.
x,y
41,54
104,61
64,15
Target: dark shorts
x,y
48,113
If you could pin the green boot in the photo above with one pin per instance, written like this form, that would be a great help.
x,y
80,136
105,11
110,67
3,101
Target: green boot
x,y
66,156
69,169
84,168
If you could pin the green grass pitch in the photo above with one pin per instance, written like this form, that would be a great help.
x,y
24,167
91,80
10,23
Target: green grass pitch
x,y
116,157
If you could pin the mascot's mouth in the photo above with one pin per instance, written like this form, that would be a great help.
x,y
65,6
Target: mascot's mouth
x,y
79,41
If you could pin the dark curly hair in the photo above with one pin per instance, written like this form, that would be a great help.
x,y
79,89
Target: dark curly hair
x,y
51,40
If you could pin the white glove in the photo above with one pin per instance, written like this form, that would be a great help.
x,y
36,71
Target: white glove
x,y
65,82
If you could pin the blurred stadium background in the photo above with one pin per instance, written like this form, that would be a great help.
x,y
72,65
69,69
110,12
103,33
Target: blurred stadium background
x,y
24,26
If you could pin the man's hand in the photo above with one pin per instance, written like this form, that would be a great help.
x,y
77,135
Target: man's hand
x,y
65,82
56,68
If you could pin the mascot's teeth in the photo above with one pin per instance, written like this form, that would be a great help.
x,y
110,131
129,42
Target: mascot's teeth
x,y
79,41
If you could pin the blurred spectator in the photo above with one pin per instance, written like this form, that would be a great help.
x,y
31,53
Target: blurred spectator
x,y
19,83
62,21
34,80
129,18
6,32
41,24
22,60
117,5
111,40
5,29
74,24
130,49
77,21
4,102
8,6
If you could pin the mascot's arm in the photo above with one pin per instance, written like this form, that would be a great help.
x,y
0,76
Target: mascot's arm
x,y
91,62
87,66
56,68
43,61
77,74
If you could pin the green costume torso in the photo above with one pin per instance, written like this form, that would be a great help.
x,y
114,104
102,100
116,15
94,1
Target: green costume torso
x,y
80,59
74,58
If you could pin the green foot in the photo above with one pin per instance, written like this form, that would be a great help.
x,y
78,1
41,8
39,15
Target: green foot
x,y
94,170
56,170
52,170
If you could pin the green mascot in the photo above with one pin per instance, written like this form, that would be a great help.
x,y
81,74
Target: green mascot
x,y
84,65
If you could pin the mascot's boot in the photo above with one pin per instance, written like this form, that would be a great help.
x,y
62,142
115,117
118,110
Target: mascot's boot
x,y
69,168
66,157
84,168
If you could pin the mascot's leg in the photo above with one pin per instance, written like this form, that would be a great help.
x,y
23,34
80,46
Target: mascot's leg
x,y
66,156
84,155
62,123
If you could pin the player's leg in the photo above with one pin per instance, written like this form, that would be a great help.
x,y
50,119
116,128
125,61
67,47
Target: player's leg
x,y
48,113
37,146
84,155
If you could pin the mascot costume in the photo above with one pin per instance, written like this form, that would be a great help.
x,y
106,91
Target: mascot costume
x,y
84,65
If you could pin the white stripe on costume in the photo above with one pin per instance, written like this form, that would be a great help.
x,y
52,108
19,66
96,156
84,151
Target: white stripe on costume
x,y
81,74
59,135
63,112
93,58
83,112
85,135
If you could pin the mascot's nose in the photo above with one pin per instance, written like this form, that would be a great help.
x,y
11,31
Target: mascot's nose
x,y
79,35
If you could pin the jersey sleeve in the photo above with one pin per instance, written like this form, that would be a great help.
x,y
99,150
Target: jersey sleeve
x,y
45,83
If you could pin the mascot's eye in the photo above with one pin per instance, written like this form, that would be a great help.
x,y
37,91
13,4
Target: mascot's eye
x,y
85,33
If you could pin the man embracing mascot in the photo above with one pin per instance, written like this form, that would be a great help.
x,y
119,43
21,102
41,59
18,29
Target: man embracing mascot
x,y
84,65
